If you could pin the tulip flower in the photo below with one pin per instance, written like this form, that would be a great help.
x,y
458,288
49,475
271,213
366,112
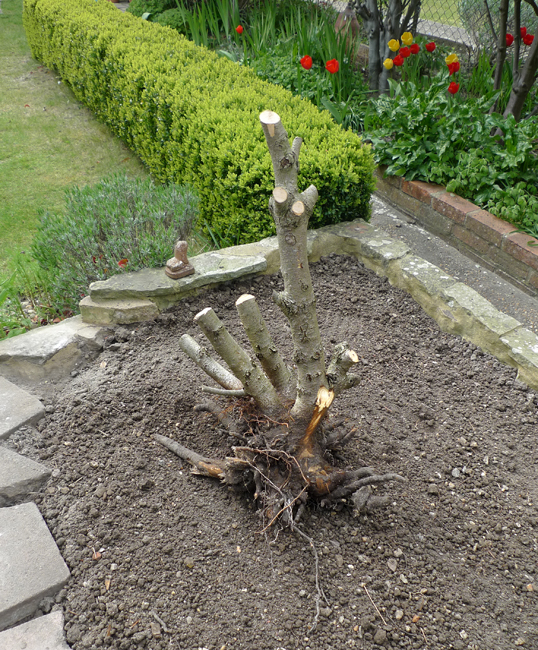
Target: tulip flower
x,y
451,58
453,67
453,88
528,39
509,40
398,60
332,66
415,48
523,32
430,47
388,64
407,38
405,52
394,45
239,29
306,62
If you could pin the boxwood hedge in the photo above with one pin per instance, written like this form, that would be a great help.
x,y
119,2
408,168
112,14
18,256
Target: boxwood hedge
x,y
193,117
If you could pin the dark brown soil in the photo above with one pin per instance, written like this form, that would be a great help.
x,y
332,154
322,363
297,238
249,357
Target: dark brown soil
x,y
182,562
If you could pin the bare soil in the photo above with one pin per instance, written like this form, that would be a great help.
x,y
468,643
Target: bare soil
x,y
163,559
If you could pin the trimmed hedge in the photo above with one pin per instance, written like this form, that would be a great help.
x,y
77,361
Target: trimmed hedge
x,y
193,117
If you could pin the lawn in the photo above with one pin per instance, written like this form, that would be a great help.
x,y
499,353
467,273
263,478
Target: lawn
x,y
48,141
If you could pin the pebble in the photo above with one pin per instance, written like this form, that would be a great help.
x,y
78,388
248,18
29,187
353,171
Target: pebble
x,y
189,562
380,637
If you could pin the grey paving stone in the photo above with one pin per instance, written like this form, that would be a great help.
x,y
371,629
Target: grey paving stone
x,y
43,633
50,351
31,566
19,477
17,408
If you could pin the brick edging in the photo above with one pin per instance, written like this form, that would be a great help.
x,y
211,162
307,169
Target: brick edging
x,y
467,227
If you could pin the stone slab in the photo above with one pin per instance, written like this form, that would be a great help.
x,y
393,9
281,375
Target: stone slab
x,y
31,566
17,408
210,268
19,477
43,633
522,347
51,351
117,311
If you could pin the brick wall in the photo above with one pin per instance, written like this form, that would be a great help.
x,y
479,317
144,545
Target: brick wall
x,y
467,227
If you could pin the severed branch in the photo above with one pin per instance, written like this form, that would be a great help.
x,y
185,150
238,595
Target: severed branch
x,y
252,377
201,358
222,417
223,392
260,339
343,359
201,465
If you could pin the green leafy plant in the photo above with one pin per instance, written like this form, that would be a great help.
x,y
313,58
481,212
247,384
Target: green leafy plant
x,y
13,320
116,226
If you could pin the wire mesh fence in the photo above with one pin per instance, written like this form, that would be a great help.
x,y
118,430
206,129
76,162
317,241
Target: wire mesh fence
x,y
470,25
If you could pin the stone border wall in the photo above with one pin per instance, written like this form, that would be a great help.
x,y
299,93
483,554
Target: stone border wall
x,y
473,231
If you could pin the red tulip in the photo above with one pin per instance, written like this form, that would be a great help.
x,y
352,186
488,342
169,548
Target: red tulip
x,y
453,88
239,29
306,62
453,67
509,40
523,32
528,39
332,66
415,48
405,52
398,60
430,47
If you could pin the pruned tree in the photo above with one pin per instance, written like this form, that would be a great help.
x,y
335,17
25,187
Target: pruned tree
x,y
284,458
384,20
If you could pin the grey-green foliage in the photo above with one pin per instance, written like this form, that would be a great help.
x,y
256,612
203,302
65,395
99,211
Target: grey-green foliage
x,y
118,225
474,18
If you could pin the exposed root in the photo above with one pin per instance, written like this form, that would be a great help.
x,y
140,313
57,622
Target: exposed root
x,y
201,465
222,417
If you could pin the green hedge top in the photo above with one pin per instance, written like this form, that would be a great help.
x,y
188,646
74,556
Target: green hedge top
x,y
193,117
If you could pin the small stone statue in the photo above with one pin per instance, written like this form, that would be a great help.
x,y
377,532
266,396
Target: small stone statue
x,y
178,266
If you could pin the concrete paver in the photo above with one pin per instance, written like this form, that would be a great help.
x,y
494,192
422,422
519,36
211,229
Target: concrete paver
x,y
31,566
43,633
19,477
17,408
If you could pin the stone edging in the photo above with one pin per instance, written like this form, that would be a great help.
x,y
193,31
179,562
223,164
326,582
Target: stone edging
x,y
467,227
456,308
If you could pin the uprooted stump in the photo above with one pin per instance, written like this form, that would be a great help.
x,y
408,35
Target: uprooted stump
x,y
284,449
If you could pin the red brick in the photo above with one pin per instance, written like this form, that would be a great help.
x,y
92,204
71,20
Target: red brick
x,y
421,191
517,246
452,206
475,242
489,227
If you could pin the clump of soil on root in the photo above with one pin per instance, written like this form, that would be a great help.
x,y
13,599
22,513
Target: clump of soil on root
x,y
163,559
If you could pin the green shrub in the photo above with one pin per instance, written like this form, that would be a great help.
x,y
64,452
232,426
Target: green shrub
x,y
115,226
193,117
174,18
152,7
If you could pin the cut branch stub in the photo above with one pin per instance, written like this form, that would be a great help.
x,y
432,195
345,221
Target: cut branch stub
x,y
252,377
258,335
201,358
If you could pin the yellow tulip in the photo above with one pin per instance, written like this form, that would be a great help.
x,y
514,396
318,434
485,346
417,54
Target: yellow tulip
x,y
451,58
407,38
388,64
394,45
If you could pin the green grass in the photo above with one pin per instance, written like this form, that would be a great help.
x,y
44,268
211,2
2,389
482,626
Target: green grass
x,y
445,12
48,141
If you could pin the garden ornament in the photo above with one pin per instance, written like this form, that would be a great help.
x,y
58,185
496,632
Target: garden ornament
x,y
179,266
